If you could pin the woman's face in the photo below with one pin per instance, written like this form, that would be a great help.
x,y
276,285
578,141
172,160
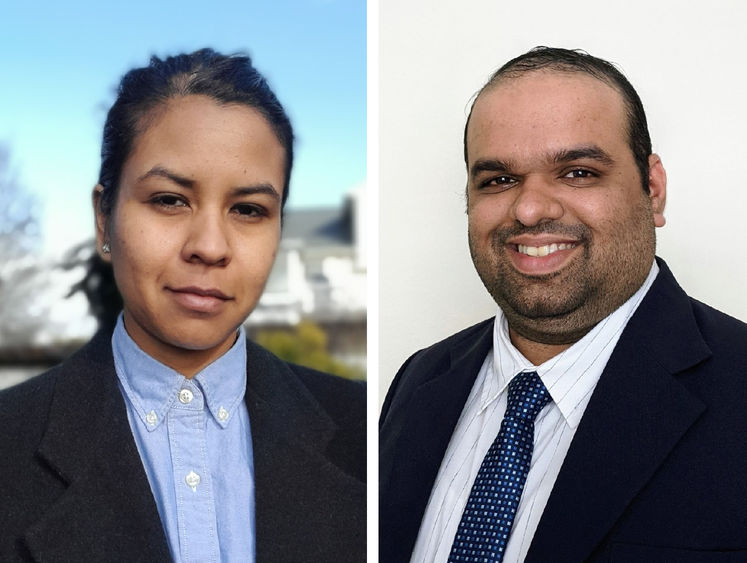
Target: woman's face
x,y
195,228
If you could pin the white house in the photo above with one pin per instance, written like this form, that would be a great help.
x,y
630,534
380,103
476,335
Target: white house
x,y
320,275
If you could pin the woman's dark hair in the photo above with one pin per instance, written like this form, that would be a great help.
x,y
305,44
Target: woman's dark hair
x,y
226,79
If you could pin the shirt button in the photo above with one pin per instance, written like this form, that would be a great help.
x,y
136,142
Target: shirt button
x,y
192,479
185,396
151,418
222,414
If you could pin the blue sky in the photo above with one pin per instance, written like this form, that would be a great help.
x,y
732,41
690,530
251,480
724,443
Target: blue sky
x,y
62,61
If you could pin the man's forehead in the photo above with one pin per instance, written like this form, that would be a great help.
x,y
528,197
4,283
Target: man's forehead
x,y
545,103
537,85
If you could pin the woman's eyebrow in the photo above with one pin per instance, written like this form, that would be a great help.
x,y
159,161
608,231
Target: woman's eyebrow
x,y
168,174
268,189
160,171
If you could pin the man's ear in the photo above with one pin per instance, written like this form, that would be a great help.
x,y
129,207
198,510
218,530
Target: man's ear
x,y
657,186
102,236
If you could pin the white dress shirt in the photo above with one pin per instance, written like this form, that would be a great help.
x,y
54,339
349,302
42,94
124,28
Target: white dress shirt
x,y
570,377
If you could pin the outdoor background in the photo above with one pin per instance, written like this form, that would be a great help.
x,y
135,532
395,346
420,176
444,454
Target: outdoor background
x,y
687,61
60,65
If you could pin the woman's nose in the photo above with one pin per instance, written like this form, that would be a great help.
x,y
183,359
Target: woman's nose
x,y
207,240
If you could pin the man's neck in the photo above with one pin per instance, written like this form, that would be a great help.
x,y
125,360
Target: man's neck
x,y
536,352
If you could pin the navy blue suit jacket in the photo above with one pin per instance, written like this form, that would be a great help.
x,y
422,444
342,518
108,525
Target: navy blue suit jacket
x,y
657,470
73,487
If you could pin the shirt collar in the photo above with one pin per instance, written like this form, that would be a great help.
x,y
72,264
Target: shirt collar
x,y
571,376
152,387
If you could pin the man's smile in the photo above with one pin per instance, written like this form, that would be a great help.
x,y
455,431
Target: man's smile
x,y
543,250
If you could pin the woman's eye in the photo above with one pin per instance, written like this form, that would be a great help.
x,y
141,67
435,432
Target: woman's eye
x,y
168,200
249,210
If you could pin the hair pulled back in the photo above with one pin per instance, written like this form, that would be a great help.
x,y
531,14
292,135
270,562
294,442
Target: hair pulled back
x,y
227,79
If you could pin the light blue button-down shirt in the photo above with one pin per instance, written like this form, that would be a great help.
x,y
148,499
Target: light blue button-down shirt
x,y
194,439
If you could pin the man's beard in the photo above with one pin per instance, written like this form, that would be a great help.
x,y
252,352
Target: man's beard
x,y
562,306
540,296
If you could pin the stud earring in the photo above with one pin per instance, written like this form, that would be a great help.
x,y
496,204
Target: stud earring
x,y
106,248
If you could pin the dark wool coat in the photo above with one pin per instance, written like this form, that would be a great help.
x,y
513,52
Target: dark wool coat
x,y
73,488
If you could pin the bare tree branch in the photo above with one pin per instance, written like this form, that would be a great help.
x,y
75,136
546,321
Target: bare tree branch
x,y
22,282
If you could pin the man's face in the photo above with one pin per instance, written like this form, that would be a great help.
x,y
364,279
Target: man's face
x,y
560,229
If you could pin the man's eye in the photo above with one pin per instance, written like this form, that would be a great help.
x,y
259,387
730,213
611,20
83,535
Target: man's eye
x,y
502,181
580,178
580,173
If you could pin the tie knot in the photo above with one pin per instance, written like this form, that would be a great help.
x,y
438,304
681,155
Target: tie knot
x,y
527,396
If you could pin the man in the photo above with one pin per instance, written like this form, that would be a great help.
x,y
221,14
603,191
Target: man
x,y
629,443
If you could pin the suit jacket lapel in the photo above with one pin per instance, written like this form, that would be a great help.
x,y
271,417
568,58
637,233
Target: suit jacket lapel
x,y
107,511
290,435
432,415
89,448
637,414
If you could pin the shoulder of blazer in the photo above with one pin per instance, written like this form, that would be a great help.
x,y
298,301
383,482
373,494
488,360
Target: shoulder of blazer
x,y
721,332
436,359
344,401
455,346
65,484
25,408
26,402
720,379
308,434
327,411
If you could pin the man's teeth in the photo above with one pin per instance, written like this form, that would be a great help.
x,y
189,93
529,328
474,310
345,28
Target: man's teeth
x,y
544,250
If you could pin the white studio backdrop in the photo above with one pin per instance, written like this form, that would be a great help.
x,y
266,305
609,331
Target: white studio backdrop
x,y
688,62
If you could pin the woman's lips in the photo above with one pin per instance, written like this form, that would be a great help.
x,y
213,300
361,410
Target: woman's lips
x,y
201,300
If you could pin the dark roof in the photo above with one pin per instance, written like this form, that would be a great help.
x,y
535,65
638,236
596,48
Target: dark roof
x,y
319,226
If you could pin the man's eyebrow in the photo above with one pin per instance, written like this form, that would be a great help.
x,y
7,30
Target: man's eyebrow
x,y
592,152
160,171
561,156
488,165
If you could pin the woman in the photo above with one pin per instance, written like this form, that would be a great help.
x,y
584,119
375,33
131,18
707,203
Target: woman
x,y
172,436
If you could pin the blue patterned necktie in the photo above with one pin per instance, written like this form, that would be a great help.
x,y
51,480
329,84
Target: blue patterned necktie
x,y
491,507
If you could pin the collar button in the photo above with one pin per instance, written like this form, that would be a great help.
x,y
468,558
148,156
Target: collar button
x,y
185,396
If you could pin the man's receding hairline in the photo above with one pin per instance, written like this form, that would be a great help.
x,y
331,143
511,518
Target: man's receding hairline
x,y
513,75
510,75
